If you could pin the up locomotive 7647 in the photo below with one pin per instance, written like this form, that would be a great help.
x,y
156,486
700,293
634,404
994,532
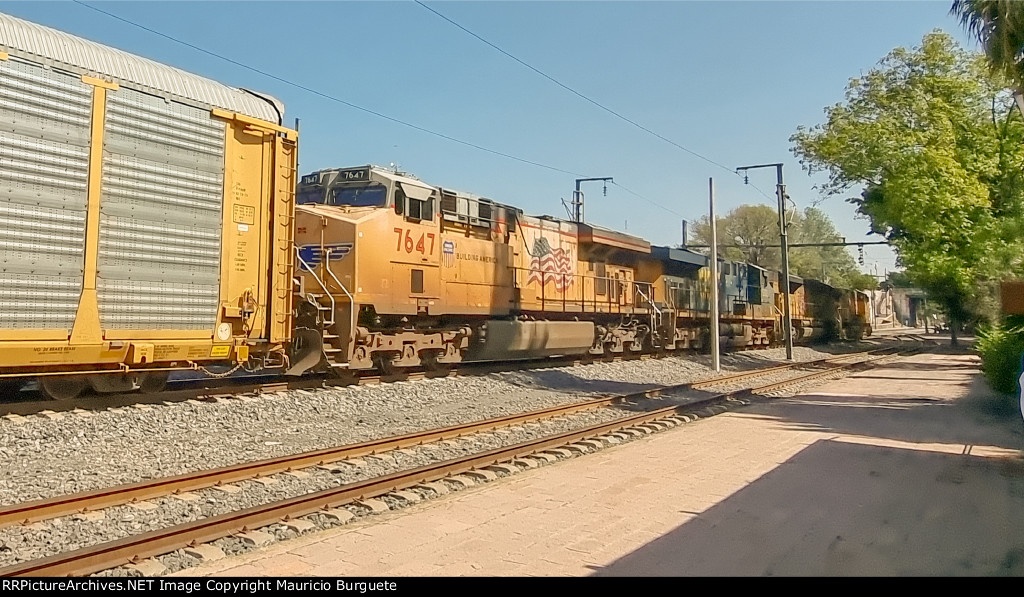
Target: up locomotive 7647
x,y
152,220
397,273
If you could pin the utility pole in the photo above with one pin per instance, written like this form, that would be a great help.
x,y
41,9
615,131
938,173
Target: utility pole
x,y
577,198
713,323
787,322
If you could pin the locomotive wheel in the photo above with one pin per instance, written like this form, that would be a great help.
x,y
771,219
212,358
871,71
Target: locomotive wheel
x,y
63,387
385,363
429,360
151,383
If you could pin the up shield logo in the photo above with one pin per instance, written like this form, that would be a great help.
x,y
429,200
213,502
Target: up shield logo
x,y
313,255
448,253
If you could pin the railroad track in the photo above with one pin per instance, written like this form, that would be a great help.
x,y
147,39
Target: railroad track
x,y
105,498
108,555
214,389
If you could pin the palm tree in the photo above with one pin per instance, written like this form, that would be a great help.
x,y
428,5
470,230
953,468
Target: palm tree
x,y
999,26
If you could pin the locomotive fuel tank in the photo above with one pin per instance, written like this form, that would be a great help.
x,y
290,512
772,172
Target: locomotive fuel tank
x,y
500,340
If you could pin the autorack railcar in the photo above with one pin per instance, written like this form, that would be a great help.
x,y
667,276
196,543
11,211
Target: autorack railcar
x,y
145,217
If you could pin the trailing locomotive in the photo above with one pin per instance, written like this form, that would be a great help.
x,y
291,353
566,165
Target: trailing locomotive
x,y
153,220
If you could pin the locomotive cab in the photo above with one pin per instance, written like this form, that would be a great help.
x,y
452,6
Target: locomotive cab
x,y
354,188
367,254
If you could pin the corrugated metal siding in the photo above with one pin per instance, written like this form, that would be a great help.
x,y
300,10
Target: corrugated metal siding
x,y
42,44
44,159
160,219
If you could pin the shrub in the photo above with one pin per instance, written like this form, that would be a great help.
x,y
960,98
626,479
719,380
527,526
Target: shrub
x,y
1001,347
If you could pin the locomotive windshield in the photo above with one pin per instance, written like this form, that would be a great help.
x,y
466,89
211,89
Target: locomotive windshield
x,y
312,195
366,195
359,195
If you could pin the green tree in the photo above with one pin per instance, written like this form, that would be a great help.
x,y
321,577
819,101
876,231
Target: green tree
x,y
750,233
999,26
932,138
859,281
832,265
900,280
752,228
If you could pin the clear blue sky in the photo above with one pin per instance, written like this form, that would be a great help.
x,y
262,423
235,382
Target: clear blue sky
x,y
728,80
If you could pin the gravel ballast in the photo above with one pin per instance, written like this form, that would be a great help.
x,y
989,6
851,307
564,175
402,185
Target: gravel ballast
x,y
45,457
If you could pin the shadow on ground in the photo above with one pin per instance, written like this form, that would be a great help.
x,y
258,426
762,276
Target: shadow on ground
x,y
851,505
840,509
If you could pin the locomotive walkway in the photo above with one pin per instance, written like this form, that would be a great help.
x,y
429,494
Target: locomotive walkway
x,y
914,468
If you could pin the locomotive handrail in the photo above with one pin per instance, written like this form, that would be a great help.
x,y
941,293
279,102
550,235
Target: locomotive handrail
x,y
336,280
617,291
649,300
308,268
351,299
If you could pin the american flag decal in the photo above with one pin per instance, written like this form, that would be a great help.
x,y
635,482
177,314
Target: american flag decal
x,y
547,265
312,255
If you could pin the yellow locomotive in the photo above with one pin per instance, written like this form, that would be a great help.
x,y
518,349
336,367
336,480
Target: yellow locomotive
x,y
399,273
394,272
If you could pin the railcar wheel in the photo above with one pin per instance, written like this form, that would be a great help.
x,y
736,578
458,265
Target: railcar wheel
x,y
152,383
9,389
63,387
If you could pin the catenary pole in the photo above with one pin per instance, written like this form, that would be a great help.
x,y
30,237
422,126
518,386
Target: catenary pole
x,y
713,323
783,225
577,197
787,318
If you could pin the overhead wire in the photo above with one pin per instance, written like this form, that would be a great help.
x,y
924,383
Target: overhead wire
x,y
634,193
588,99
415,126
328,96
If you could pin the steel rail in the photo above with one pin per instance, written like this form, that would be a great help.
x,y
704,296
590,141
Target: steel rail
x,y
757,372
103,556
45,509
214,389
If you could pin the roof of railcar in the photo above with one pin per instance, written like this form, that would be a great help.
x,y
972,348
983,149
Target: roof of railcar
x,y
54,48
